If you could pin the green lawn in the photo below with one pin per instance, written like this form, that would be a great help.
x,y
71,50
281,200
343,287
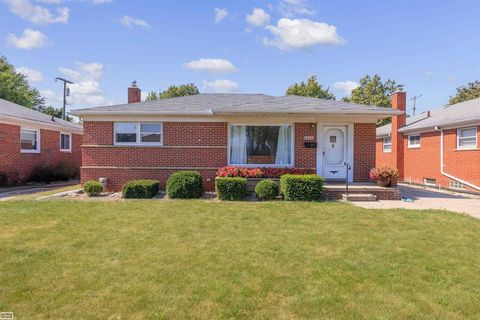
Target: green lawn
x,y
209,260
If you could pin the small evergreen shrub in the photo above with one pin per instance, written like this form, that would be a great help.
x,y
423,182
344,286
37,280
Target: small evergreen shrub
x,y
231,188
266,189
301,187
140,189
92,188
185,185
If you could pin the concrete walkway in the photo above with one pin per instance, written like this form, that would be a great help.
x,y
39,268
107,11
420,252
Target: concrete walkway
x,y
10,193
428,199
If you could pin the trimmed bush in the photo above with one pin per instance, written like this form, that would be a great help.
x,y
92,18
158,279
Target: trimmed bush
x,y
140,189
266,189
92,188
301,187
3,179
62,171
231,188
185,185
43,174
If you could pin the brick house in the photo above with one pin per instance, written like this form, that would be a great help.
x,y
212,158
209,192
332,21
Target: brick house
x,y
207,131
29,138
434,148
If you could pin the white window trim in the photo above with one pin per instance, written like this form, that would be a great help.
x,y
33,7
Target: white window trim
x,y
259,165
138,142
414,146
467,147
70,140
383,145
38,150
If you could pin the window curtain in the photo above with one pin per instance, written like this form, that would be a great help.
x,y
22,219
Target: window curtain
x,y
283,145
239,145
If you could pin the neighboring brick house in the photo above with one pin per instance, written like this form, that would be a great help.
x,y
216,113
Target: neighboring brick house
x,y
207,131
436,148
29,138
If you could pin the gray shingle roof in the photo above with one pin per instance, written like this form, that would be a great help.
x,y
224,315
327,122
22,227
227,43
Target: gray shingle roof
x,y
13,110
223,103
450,115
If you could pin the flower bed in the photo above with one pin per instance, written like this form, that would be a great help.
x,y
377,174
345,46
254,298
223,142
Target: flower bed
x,y
260,172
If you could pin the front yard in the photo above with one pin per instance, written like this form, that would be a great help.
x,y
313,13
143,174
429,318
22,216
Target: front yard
x,y
205,259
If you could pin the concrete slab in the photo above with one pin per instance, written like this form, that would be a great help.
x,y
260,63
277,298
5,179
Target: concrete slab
x,y
428,199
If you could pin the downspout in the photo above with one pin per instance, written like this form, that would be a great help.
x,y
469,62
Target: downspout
x,y
442,165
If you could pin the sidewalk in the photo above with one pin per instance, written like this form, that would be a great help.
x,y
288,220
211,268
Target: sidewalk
x,y
9,193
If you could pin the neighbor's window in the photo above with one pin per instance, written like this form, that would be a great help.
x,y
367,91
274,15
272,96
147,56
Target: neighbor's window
x,y
414,141
467,138
65,142
387,144
142,133
261,145
29,140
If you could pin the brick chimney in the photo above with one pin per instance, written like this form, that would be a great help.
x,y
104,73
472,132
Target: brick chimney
x,y
134,93
399,102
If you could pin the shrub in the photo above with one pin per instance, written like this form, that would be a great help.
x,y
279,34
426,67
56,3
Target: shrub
x,y
266,189
301,187
383,173
185,185
231,188
62,171
260,172
140,189
43,174
92,188
3,179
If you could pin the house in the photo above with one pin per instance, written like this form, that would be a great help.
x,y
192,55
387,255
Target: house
x,y
29,138
435,148
207,131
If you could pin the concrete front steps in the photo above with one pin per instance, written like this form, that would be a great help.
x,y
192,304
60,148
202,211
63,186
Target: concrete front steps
x,y
359,197
335,191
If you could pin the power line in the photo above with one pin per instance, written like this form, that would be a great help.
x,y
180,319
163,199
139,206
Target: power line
x,y
66,92
414,98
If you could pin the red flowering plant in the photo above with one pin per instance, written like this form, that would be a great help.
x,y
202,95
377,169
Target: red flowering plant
x,y
260,172
384,175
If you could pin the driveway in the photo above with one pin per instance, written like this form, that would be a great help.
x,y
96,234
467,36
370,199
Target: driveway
x,y
428,199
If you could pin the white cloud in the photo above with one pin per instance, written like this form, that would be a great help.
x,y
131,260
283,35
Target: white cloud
x,y
131,22
86,89
30,39
302,34
100,1
32,75
258,18
346,86
37,14
294,8
211,65
429,74
220,14
220,86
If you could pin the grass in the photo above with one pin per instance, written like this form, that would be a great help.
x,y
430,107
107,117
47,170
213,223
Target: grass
x,y
204,259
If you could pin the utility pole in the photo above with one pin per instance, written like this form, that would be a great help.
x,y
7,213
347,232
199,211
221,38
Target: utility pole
x,y
415,102
66,92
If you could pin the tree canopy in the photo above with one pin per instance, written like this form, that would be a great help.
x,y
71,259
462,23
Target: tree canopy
x,y
468,92
374,91
173,91
15,88
310,89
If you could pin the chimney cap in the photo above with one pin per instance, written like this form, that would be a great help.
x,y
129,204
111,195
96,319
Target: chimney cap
x,y
400,88
134,84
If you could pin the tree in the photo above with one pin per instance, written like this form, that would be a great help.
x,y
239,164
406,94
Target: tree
x,y
173,91
372,91
310,89
468,92
14,87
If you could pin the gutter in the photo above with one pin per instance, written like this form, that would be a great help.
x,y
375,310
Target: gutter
x,y
442,165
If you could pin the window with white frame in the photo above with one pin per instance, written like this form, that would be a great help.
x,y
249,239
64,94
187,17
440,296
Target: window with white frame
x,y
138,133
467,138
265,145
29,140
387,144
414,141
66,142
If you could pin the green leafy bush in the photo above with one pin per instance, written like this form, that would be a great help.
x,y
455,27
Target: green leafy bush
x,y
266,189
140,189
185,185
231,188
61,171
3,179
301,187
45,174
92,188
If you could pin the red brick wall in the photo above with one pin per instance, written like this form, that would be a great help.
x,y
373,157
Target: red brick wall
x,y
364,150
15,163
305,157
383,158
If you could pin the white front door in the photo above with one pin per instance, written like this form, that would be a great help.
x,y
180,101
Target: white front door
x,y
334,152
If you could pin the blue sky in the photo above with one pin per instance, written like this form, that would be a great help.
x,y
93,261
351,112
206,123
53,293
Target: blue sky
x,y
226,46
